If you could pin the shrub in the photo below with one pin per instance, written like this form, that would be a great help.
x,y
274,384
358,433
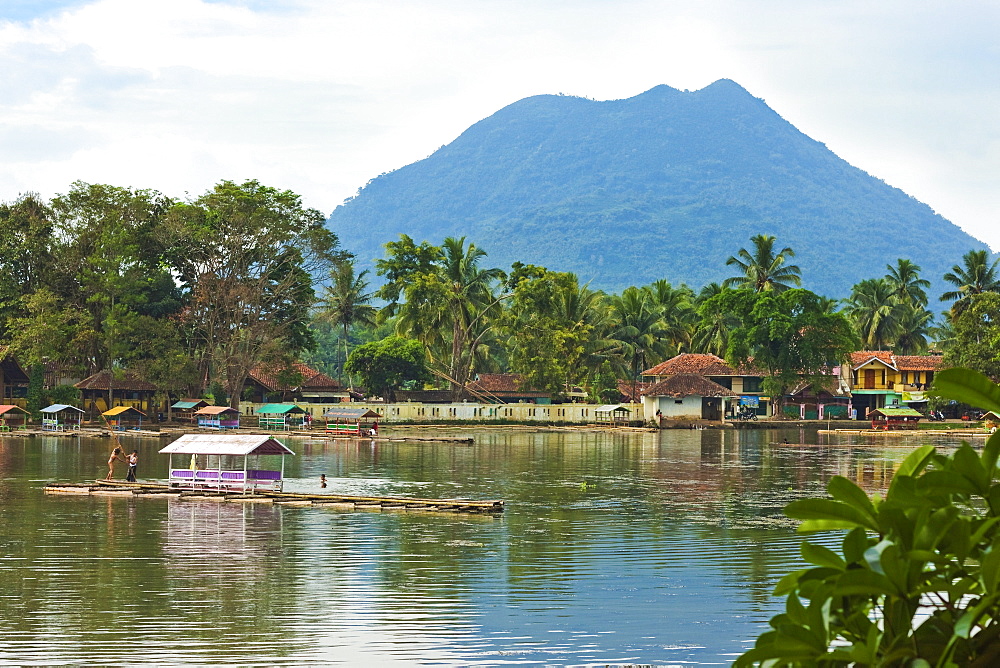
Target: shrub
x,y
917,578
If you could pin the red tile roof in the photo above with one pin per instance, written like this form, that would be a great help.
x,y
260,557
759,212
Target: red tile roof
x,y
688,363
898,362
625,388
862,357
269,377
918,362
503,384
106,380
686,385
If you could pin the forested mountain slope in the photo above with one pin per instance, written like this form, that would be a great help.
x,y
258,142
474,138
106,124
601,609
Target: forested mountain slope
x,y
667,184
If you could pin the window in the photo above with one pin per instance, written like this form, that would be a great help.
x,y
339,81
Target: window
x,y
752,384
724,381
678,401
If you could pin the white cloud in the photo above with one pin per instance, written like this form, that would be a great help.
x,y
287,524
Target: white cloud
x,y
319,96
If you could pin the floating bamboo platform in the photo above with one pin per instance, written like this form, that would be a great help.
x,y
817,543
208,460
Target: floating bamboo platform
x,y
335,501
960,433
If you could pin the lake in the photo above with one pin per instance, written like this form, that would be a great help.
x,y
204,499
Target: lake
x,y
615,548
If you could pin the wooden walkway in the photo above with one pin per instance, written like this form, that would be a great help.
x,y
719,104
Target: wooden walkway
x,y
336,501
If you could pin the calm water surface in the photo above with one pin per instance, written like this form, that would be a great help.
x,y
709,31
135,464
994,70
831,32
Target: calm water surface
x,y
614,548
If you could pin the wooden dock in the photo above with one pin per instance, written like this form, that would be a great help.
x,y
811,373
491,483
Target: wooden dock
x,y
335,501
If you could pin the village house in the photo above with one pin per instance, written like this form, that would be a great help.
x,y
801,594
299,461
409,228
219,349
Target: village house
x,y
13,380
881,379
729,389
506,388
298,383
106,390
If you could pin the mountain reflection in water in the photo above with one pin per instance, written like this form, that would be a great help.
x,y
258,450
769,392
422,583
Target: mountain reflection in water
x,y
614,548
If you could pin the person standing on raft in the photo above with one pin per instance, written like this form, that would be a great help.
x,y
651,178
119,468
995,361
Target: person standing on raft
x,y
133,462
116,455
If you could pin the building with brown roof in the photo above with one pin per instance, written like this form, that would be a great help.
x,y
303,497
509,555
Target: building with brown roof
x,y
13,380
686,396
746,383
880,378
506,388
297,382
109,389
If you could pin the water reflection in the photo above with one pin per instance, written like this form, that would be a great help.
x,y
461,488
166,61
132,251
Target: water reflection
x,y
647,548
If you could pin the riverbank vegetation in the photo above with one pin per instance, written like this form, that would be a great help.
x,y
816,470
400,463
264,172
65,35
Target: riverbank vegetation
x,y
194,294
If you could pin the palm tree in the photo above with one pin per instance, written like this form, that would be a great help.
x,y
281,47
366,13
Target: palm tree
x,y
915,326
679,315
907,285
346,301
875,313
764,269
470,302
975,277
638,333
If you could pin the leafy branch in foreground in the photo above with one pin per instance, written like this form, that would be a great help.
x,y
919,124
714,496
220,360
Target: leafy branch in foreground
x,y
917,580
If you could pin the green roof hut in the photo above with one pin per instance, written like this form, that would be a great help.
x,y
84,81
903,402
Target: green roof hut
x,y
280,417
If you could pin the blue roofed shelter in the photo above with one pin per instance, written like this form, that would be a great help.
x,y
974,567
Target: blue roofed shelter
x,y
61,417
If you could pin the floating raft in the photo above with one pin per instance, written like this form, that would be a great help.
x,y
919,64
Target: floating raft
x,y
958,433
337,501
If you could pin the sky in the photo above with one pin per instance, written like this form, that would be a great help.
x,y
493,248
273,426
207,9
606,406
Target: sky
x,y
320,96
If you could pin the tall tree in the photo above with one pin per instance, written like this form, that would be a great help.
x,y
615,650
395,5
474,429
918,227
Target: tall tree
x,y
907,286
247,254
110,263
974,276
451,305
790,335
763,269
639,333
975,335
346,301
876,313
26,241
550,326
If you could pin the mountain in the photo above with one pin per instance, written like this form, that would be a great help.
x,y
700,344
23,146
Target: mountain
x,y
666,184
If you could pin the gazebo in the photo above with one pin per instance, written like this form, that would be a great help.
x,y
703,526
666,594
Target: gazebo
x,y
885,419
282,417
991,420
218,417
350,421
121,418
611,414
185,408
12,417
61,417
224,451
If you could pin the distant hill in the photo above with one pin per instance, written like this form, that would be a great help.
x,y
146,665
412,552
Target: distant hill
x,y
667,184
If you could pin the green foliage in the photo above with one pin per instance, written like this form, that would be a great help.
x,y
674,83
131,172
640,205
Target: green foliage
x,y
763,269
917,579
890,313
35,395
790,335
383,366
974,340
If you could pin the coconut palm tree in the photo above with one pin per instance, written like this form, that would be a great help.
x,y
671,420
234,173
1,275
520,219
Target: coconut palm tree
x,y
915,327
975,276
639,331
763,269
346,301
907,285
875,313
